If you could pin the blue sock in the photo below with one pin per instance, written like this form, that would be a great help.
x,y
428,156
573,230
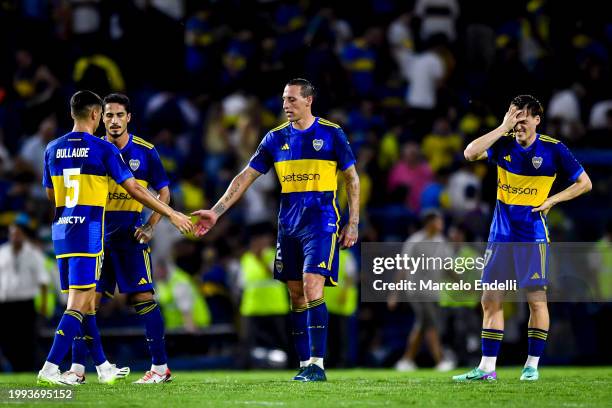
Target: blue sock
x,y
68,328
91,334
79,350
491,342
89,341
299,332
536,340
154,330
317,327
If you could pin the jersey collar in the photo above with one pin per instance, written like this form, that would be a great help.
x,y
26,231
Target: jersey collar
x,y
308,129
130,136
530,147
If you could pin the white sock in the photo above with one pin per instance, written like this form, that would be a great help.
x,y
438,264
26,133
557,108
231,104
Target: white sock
x,y
487,364
159,369
49,368
532,361
104,366
77,368
318,361
304,363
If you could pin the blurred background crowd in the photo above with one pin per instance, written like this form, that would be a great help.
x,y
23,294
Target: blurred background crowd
x,y
410,82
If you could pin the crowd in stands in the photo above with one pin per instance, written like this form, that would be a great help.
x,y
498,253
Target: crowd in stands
x,y
410,82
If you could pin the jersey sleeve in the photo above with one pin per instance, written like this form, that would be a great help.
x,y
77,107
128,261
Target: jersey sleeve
x,y
495,149
46,180
343,151
262,160
158,178
114,164
569,166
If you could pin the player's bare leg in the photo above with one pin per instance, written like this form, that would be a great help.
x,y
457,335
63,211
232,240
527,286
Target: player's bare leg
x,y
299,324
537,333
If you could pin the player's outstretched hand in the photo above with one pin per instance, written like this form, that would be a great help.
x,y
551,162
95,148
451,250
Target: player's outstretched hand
x,y
348,235
206,220
144,233
512,117
181,222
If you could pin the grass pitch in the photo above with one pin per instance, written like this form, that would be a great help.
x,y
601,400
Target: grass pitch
x,y
558,387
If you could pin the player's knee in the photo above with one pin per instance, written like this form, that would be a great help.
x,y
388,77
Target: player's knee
x,y
491,307
538,307
313,286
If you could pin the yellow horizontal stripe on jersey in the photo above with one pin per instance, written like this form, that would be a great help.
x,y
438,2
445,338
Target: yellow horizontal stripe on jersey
x,y
362,65
74,254
298,176
120,200
516,189
92,189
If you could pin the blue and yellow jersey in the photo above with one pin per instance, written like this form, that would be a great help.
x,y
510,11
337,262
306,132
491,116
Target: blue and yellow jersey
x,y
123,213
306,163
79,167
524,179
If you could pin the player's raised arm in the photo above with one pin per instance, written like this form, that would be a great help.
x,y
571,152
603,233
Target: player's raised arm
x,y
348,235
477,149
240,184
145,197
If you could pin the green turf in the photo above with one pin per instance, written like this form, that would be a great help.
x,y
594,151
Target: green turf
x,y
558,387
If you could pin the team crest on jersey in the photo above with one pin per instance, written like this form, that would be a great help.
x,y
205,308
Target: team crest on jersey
x,y
134,164
536,161
317,144
279,266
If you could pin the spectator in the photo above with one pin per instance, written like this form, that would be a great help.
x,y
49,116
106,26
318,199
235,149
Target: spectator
x,y
411,172
437,17
264,306
182,305
33,150
360,58
428,242
22,277
401,40
442,146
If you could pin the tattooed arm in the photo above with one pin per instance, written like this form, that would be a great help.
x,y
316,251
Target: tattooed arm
x,y
240,184
349,233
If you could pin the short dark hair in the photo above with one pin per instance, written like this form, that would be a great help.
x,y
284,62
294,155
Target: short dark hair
x,y
82,102
529,103
306,87
119,98
430,214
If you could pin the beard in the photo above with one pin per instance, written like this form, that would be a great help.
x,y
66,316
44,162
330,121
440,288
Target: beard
x,y
116,133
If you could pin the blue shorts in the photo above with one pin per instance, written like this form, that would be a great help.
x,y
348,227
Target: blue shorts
x,y
313,252
79,272
127,268
525,262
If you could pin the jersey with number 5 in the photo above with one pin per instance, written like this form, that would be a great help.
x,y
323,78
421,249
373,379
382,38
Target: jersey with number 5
x,y
78,167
